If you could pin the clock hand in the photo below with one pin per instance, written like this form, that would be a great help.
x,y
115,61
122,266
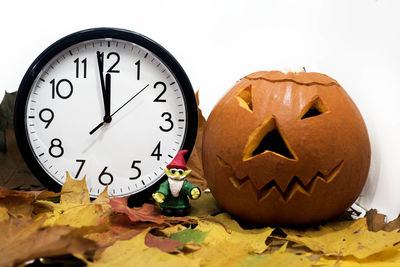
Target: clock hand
x,y
107,99
101,123
104,89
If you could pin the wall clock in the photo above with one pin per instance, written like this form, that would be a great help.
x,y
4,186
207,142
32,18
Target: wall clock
x,y
108,104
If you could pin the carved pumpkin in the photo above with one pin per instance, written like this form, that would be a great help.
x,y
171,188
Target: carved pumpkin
x,y
286,149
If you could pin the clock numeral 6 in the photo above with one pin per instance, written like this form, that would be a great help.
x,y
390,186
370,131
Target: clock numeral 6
x,y
46,115
103,177
164,88
168,119
56,150
139,172
157,151
63,88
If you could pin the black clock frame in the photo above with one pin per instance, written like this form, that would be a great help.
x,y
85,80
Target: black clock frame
x,y
87,35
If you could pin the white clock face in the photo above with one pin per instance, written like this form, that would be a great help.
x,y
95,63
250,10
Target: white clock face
x,y
66,109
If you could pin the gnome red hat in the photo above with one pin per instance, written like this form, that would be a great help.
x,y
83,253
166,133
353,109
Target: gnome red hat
x,y
179,161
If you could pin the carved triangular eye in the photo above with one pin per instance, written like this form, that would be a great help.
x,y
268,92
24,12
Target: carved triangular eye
x,y
245,98
313,109
267,137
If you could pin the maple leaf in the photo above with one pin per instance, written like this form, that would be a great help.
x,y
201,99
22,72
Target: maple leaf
x,y
23,239
135,252
146,213
195,162
217,232
75,208
163,243
13,172
376,222
344,239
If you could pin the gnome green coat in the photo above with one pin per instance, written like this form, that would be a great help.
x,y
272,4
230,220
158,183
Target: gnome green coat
x,y
180,202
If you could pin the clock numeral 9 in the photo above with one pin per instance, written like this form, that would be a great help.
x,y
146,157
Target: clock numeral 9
x,y
84,62
164,88
56,150
63,89
168,119
103,176
157,151
45,118
139,172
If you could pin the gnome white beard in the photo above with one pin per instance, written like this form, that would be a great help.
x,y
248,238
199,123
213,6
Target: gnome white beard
x,y
175,186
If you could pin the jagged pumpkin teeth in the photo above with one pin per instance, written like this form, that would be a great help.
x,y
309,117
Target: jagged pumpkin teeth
x,y
286,148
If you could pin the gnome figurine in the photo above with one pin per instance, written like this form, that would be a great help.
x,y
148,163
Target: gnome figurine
x,y
173,193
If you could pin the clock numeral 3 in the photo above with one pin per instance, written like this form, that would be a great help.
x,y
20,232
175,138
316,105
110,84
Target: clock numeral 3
x,y
157,151
103,177
139,172
164,88
84,62
168,119
63,89
45,118
56,150
82,161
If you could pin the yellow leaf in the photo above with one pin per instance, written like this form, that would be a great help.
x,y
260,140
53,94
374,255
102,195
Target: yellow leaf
x,y
344,239
134,252
206,205
75,208
4,214
224,253
255,238
276,259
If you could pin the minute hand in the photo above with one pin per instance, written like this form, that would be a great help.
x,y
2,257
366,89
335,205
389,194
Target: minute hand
x,y
101,123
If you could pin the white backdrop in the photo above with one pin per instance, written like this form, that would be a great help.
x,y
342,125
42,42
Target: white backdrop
x,y
217,42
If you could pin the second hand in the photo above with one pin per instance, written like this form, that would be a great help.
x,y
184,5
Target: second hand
x,y
101,124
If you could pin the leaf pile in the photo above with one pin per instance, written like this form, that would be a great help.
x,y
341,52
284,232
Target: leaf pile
x,y
39,227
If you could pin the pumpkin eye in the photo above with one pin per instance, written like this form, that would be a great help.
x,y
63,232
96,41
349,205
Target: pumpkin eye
x,y
267,137
245,98
313,109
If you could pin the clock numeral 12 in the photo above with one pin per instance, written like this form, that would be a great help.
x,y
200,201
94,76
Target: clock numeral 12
x,y
157,151
139,172
84,62
138,70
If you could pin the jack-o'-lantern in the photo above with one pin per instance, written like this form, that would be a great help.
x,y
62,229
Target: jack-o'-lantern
x,y
286,148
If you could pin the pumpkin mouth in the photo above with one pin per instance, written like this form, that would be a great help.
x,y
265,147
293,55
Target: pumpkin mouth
x,y
295,184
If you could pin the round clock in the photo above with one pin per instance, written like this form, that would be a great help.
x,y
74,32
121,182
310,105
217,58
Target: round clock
x,y
107,104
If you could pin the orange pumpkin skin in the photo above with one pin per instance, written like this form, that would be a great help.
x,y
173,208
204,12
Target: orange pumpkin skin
x,y
286,149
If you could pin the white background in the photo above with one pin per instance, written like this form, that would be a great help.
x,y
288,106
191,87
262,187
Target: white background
x,y
217,42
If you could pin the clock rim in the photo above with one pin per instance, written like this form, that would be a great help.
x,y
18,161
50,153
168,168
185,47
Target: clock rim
x,y
86,35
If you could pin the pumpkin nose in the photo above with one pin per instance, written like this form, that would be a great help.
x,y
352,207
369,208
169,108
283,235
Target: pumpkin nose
x,y
267,138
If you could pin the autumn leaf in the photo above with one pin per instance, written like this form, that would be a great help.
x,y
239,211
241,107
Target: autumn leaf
x,y
146,213
14,173
195,162
75,208
276,259
163,243
134,252
25,239
376,222
217,232
206,205
189,235
344,239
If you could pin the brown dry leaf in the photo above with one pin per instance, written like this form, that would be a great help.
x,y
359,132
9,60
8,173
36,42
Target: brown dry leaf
x,y
344,239
163,243
75,208
195,162
376,222
146,213
279,258
14,173
255,237
24,239
134,252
